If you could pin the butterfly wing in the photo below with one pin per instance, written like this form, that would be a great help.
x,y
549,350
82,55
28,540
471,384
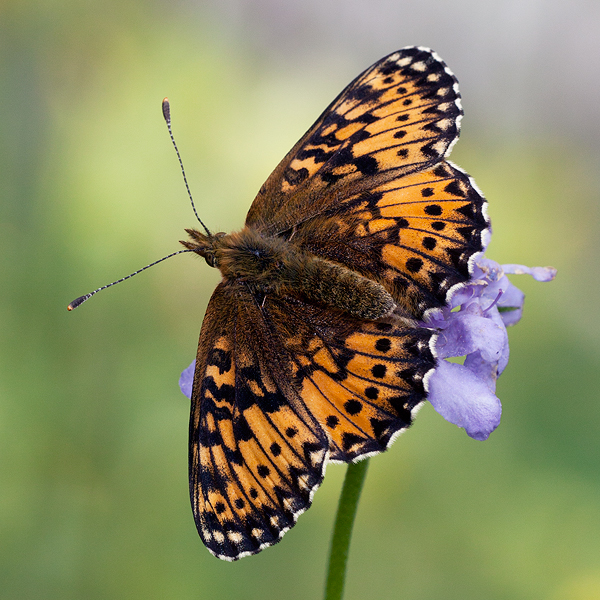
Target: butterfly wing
x,y
281,386
416,235
361,380
257,454
398,117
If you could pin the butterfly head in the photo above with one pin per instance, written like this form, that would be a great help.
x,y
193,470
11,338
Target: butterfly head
x,y
204,245
244,255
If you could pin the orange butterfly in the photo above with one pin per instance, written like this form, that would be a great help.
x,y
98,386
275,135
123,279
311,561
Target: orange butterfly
x,y
311,349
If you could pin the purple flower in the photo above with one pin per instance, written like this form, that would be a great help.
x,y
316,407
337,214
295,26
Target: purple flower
x,y
473,325
186,380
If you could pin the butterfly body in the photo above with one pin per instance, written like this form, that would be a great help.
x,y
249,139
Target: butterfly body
x,y
313,349
273,265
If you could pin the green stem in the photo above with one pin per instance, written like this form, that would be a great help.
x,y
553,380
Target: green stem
x,y
342,530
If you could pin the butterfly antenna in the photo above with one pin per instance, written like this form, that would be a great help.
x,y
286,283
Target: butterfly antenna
x,y
166,110
82,299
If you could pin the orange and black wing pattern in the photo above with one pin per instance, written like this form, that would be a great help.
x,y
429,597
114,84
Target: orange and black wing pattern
x,y
368,185
257,454
283,385
400,116
361,380
416,235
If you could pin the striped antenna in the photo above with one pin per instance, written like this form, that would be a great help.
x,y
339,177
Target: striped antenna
x,y
166,110
73,305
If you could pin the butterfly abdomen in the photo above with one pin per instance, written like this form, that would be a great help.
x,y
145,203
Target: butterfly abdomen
x,y
273,265
337,286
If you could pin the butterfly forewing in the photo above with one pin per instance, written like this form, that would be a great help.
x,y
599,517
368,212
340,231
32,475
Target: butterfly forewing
x,y
401,115
256,453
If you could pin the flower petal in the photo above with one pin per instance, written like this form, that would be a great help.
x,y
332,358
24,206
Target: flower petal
x,y
483,369
512,296
467,333
186,380
510,305
464,399
487,269
503,360
538,273
465,293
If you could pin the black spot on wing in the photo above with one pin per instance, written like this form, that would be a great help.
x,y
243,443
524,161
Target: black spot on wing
x,y
295,177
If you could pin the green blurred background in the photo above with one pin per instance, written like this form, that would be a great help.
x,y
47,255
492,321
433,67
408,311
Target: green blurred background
x,y
93,428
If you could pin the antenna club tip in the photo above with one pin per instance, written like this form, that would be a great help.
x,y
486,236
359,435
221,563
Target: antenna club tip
x,y
166,110
73,305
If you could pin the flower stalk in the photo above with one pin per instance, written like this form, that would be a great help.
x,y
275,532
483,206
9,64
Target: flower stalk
x,y
342,530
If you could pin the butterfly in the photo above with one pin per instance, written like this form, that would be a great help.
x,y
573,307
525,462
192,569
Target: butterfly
x,y
313,349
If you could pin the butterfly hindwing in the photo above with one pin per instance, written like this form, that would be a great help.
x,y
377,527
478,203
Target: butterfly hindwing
x,y
400,116
256,453
360,379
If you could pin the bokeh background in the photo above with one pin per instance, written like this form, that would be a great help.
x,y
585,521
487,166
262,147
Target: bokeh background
x,y
93,428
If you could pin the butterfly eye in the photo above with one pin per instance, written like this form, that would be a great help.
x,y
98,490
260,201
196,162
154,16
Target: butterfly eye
x,y
210,259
